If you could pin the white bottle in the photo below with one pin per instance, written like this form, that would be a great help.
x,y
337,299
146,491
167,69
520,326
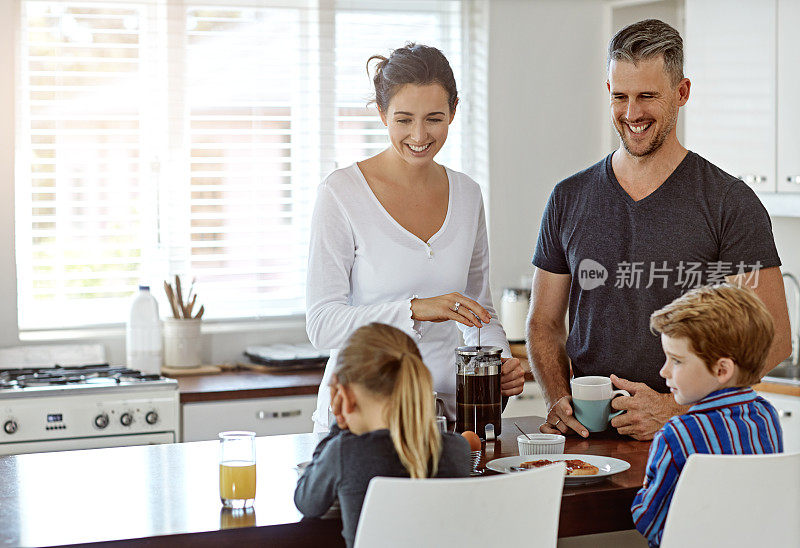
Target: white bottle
x,y
143,336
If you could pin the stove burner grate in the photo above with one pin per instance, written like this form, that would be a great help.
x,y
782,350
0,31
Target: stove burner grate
x,y
94,374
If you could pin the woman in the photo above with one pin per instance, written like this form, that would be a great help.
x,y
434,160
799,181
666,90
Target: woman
x,y
401,240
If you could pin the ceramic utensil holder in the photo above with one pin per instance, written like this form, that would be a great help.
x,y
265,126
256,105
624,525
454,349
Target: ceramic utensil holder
x,y
182,342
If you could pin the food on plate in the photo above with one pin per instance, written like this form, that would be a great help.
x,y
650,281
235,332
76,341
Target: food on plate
x,y
535,463
473,440
575,467
578,467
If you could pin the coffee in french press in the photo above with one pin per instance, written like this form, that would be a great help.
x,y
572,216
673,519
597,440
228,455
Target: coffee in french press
x,y
478,397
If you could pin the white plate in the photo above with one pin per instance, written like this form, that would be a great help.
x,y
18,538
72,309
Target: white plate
x,y
608,465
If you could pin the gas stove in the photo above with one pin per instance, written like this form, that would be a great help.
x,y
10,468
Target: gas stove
x,y
80,407
74,377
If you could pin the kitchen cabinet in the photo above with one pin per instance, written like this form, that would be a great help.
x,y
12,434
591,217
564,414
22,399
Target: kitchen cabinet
x,y
529,403
264,416
788,408
788,102
744,106
730,58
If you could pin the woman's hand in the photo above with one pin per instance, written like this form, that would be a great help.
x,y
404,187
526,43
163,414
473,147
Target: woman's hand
x,y
512,377
453,306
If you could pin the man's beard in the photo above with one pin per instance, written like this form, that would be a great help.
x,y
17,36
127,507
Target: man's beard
x,y
656,142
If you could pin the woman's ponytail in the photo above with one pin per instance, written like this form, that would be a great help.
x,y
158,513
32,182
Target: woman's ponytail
x,y
411,418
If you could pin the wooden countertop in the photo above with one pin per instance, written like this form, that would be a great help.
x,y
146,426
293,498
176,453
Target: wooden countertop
x,y
167,495
234,385
778,388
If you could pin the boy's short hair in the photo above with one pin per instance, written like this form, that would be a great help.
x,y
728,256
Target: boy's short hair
x,y
722,321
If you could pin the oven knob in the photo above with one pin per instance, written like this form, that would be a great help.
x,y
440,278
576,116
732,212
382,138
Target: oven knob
x,y
126,419
10,427
151,417
101,421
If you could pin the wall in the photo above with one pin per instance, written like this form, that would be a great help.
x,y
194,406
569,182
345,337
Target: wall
x,y
787,238
548,109
8,275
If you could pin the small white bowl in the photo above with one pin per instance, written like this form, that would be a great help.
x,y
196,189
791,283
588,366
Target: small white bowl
x,y
541,444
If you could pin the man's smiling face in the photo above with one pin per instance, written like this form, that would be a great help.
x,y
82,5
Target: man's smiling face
x,y
644,104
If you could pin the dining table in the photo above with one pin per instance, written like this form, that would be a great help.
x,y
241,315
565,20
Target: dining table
x,y
168,495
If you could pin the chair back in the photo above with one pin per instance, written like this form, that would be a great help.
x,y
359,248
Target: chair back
x,y
736,500
487,511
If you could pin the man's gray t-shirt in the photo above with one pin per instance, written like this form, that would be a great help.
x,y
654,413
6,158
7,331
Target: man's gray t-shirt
x,y
700,225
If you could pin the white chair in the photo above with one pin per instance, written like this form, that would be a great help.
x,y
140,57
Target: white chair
x,y
736,500
518,509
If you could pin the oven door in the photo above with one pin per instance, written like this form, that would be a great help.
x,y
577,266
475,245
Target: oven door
x,y
152,438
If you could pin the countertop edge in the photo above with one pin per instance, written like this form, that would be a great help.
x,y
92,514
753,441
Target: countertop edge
x,y
777,388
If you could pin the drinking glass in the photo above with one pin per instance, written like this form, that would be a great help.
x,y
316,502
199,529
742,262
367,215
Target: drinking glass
x,y
237,469
441,422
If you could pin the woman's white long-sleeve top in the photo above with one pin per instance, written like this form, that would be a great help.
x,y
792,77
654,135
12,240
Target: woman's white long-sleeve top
x,y
365,267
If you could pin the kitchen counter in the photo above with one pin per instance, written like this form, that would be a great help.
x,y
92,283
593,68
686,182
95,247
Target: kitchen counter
x,y
167,495
235,385
778,388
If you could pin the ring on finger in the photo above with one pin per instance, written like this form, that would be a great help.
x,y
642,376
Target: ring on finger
x,y
456,306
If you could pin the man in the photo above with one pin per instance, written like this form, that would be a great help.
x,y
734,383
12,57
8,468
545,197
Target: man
x,y
633,232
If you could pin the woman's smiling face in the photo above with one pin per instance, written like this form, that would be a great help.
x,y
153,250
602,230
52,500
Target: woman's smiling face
x,y
418,118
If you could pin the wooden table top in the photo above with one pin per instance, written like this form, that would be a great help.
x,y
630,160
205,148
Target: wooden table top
x,y
167,495
234,385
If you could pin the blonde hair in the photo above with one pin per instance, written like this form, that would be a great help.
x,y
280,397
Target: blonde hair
x,y
722,321
387,362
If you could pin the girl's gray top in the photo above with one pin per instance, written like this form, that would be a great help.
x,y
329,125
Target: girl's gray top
x,y
344,463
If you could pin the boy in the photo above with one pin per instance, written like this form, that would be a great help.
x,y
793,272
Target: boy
x,y
716,341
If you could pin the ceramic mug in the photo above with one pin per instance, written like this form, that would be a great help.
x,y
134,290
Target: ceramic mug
x,y
591,400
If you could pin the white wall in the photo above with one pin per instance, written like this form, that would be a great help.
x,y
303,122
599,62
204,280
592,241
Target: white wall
x,y
547,115
787,238
8,275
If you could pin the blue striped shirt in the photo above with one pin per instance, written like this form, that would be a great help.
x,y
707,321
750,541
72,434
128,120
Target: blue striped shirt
x,y
731,421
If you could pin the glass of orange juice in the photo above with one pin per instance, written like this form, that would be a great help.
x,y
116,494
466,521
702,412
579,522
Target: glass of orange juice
x,y
237,469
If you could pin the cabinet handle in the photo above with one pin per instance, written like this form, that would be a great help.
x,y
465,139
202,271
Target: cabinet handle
x,y
794,179
753,179
784,414
264,415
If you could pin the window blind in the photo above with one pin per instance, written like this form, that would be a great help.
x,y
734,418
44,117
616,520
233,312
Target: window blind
x,y
163,137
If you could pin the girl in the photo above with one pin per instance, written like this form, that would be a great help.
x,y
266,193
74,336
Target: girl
x,y
385,427
401,240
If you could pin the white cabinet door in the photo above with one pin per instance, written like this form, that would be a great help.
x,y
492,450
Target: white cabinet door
x,y
530,402
788,95
730,56
788,408
264,416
